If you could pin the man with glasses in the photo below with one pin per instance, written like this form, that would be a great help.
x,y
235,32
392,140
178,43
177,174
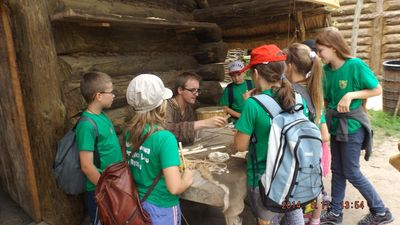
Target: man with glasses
x,y
181,117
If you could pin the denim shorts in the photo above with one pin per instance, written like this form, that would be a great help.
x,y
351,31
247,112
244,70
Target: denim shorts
x,y
163,216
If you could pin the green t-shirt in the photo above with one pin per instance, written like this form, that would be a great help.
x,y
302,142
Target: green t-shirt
x,y
159,151
254,119
238,91
107,145
353,75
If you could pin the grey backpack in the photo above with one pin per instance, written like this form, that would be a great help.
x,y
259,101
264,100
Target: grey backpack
x,y
293,175
66,168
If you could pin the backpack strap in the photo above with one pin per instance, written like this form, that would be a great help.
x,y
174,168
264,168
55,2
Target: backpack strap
x,y
304,93
269,104
230,95
96,155
151,187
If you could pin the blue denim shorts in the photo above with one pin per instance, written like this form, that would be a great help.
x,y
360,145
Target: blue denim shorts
x,y
163,216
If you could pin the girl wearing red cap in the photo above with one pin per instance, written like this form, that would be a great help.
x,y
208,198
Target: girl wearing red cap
x,y
347,81
268,66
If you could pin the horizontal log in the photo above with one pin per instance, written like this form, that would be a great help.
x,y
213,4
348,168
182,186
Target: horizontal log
x,y
390,55
217,3
211,92
211,52
364,41
124,21
363,48
391,29
391,5
391,38
350,18
391,48
363,32
346,10
124,8
248,12
353,2
212,72
71,38
349,25
392,21
72,66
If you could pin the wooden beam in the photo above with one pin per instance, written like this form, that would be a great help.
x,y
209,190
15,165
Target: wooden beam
x,y
300,26
377,39
27,197
78,16
211,52
356,22
38,69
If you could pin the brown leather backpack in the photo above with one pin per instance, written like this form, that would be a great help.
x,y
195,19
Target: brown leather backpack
x,y
117,196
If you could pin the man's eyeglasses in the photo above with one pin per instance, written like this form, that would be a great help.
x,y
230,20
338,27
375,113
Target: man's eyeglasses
x,y
107,92
193,90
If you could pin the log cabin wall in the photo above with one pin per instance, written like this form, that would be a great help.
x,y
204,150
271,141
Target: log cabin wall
x,y
248,24
379,30
58,40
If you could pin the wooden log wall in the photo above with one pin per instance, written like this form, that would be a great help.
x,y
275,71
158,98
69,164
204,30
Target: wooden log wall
x,y
379,32
58,40
247,24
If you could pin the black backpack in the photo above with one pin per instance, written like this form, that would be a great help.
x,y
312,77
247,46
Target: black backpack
x,y
66,168
230,91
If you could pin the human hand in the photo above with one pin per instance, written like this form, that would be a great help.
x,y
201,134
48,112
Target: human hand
x,y
344,103
216,121
248,94
187,176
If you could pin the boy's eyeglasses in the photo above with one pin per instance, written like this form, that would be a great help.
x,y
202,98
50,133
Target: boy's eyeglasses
x,y
107,92
193,90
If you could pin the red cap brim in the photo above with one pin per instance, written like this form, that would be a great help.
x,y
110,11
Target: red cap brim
x,y
246,68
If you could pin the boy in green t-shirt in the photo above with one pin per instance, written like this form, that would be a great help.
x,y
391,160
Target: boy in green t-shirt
x,y
232,97
97,90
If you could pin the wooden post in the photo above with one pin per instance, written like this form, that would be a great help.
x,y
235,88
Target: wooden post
x,y
301,26
356,21
27,196
39,72
376,47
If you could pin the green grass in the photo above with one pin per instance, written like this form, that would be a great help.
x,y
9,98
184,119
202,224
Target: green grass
x,y
384,123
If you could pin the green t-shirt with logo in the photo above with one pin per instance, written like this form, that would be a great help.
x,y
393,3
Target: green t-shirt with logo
x,y
353,75
159,151
238,91
107,145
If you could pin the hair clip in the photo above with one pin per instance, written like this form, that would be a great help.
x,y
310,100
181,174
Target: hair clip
x,y
308,74
313,55
283,76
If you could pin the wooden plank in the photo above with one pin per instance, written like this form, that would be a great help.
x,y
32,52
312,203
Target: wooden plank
x,y
300,26
354,31
71,38
377,39
81,17
21,183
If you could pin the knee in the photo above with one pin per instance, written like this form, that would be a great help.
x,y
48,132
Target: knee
x,y
352,176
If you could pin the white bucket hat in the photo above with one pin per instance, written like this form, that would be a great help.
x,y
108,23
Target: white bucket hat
x,y
146,92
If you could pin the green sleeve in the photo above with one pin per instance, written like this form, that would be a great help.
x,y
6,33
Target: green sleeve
x,y
365,78
246,122
224,101
85,136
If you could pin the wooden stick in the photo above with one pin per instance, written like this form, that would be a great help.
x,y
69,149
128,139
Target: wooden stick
x,y
354,31
183,157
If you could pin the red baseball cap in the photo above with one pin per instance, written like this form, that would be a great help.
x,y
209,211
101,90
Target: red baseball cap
x,y
265,54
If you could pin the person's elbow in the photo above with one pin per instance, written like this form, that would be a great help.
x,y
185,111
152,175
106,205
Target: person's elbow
x,y
378,90
175,190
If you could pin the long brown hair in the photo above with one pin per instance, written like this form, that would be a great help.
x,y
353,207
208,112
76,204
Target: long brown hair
x,y
154,118
334,39
298,55
274,72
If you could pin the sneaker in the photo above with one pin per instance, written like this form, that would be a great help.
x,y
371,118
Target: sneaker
x,y
329,218
375,219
